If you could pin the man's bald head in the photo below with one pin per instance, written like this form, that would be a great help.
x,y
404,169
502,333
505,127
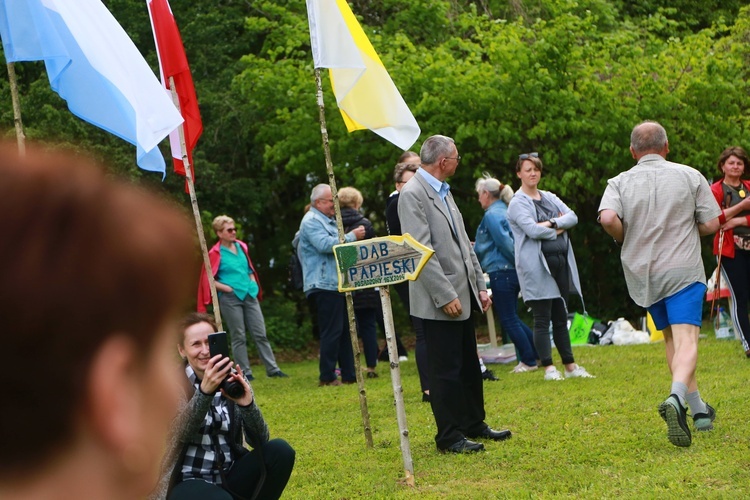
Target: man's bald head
x,y
648,137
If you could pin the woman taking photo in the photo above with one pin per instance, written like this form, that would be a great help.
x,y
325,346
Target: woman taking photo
x,y
494,248
732,195
205,456
545,264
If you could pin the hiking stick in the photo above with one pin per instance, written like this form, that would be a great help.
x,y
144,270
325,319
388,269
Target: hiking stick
x,y
717,282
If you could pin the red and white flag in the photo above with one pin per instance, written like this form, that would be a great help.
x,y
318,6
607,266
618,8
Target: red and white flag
x,y
173,63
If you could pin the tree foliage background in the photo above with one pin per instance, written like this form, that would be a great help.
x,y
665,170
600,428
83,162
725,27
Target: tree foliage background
x,y
565,78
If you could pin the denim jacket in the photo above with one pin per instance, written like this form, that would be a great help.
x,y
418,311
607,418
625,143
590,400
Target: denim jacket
x,y
494,240
317,236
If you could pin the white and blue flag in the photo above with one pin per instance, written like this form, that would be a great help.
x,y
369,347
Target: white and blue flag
x,y
92,64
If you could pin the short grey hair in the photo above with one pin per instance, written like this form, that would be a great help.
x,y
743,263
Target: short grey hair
x,y
317,192
648,136
494,187
435,147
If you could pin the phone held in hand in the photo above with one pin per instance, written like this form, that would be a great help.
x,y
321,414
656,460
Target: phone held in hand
x,y
217,344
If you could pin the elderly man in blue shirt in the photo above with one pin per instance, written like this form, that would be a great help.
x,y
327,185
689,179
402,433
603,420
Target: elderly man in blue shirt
x,y
318,234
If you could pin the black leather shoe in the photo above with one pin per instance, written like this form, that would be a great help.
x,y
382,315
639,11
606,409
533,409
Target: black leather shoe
x,y
489,433
489,375
463,446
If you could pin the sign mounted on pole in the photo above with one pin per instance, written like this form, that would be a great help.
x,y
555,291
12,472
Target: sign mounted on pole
x,y
379,261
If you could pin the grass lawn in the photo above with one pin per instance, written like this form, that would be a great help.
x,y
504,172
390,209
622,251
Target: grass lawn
x,y
596,438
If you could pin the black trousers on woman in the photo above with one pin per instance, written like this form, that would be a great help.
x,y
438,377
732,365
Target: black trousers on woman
x,y
736,271
243,477
556,310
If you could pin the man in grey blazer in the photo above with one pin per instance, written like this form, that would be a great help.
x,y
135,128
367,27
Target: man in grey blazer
x,y
449,286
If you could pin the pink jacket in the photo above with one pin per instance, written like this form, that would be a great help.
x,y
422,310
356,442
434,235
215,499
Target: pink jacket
x,y
214,256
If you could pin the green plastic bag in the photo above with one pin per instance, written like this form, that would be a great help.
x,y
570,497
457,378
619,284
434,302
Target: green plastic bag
x,y
580,327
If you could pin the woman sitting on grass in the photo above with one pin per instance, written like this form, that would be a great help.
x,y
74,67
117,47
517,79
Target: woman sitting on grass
x,y
206,458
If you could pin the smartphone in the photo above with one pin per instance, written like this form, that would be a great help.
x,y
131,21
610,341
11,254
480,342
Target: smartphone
x,y
217,344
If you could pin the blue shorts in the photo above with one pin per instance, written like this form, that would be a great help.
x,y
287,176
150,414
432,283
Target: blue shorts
x,y
683,308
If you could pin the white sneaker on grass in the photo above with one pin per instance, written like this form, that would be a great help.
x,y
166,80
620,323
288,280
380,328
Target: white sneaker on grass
x,y
553,374
523,368
578,372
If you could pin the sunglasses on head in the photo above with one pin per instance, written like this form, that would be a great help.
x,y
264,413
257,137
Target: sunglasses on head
x,y
526,156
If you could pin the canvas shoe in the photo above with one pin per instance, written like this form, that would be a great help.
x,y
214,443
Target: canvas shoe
x,y
553,375
675,415
523,368
705,421
578,372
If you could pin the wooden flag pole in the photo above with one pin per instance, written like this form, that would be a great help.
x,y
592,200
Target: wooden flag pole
x,y
20,137
196,212
349,303
398,391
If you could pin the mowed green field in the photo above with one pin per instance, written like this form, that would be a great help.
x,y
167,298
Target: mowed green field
x,y
593,438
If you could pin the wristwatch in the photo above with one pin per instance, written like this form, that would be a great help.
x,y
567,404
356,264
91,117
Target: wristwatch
x,y
553,223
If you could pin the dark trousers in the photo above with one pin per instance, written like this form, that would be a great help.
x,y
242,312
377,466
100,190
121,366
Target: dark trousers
x,y
420,349
400,347
244,476
505,288
420,353
737,274
367,329
456,392
556,310
335,342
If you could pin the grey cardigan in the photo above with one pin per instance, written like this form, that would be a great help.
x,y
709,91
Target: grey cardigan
x,y
187,424
533,273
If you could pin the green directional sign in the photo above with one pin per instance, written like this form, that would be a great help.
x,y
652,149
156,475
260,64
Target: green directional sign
x,y
379,261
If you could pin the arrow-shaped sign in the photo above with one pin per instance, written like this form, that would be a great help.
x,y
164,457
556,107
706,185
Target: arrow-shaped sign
x,y
379,261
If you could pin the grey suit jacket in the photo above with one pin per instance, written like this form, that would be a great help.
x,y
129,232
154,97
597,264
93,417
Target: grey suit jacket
x,y
454,270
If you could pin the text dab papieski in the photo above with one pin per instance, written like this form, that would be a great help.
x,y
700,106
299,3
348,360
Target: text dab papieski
x,y
379,261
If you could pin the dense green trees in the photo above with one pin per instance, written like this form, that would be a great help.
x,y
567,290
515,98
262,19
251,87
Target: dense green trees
x,y
565,78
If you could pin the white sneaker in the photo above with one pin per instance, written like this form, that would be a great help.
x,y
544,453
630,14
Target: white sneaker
x,y
579,372
553,375
403,358
523,368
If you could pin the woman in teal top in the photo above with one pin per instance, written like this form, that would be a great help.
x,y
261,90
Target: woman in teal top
x,y
239,297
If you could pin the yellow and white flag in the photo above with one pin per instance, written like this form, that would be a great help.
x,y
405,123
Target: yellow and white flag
x,y
365,93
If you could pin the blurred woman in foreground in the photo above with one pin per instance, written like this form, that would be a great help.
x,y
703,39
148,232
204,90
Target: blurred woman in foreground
x,y
93,275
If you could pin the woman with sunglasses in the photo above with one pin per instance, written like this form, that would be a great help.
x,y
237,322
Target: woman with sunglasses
x,y
545,264
731,193
239,297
